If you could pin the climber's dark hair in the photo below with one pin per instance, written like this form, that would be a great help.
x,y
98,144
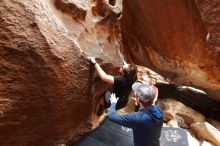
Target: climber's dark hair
x,y
130,73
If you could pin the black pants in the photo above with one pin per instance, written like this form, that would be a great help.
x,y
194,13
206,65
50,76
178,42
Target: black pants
x,y
107,102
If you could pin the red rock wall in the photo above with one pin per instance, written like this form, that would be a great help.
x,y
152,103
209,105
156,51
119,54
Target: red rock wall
x,y
49,93
170,37
48,90
210,12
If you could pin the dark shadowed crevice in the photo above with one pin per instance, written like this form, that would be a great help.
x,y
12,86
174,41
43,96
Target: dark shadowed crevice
x,y
112,2
199,102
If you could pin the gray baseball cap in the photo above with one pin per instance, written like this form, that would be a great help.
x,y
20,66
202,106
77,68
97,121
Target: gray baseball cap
x,y
144,91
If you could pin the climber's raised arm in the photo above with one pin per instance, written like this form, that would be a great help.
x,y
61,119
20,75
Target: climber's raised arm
x,y
104,76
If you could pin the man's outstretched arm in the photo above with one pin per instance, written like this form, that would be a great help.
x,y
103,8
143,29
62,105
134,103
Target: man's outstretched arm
x,y
127,120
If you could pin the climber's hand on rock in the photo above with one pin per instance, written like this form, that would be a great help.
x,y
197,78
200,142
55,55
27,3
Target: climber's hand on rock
x,y
113,98
92,59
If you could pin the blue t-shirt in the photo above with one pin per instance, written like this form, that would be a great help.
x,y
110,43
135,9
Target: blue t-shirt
x,y
146,124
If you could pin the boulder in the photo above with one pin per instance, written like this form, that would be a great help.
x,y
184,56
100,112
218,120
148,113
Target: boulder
x,y
171,38
183,115
209,11
49,91
205,131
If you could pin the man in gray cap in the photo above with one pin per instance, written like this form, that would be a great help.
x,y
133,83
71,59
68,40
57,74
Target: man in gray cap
x,y
147,122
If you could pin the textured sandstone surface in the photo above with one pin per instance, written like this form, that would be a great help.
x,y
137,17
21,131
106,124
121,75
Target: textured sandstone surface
x,y
49,93
183,115
210,10
206,131
170,38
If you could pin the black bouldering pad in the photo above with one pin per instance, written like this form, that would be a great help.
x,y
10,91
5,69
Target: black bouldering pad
x,y
108,134
111,134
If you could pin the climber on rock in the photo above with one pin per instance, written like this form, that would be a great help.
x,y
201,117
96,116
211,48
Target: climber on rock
x,y
145,123
121,83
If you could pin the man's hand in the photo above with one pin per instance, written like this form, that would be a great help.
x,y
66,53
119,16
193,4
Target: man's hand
x,y
135,100
113,98
92,59
152,81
